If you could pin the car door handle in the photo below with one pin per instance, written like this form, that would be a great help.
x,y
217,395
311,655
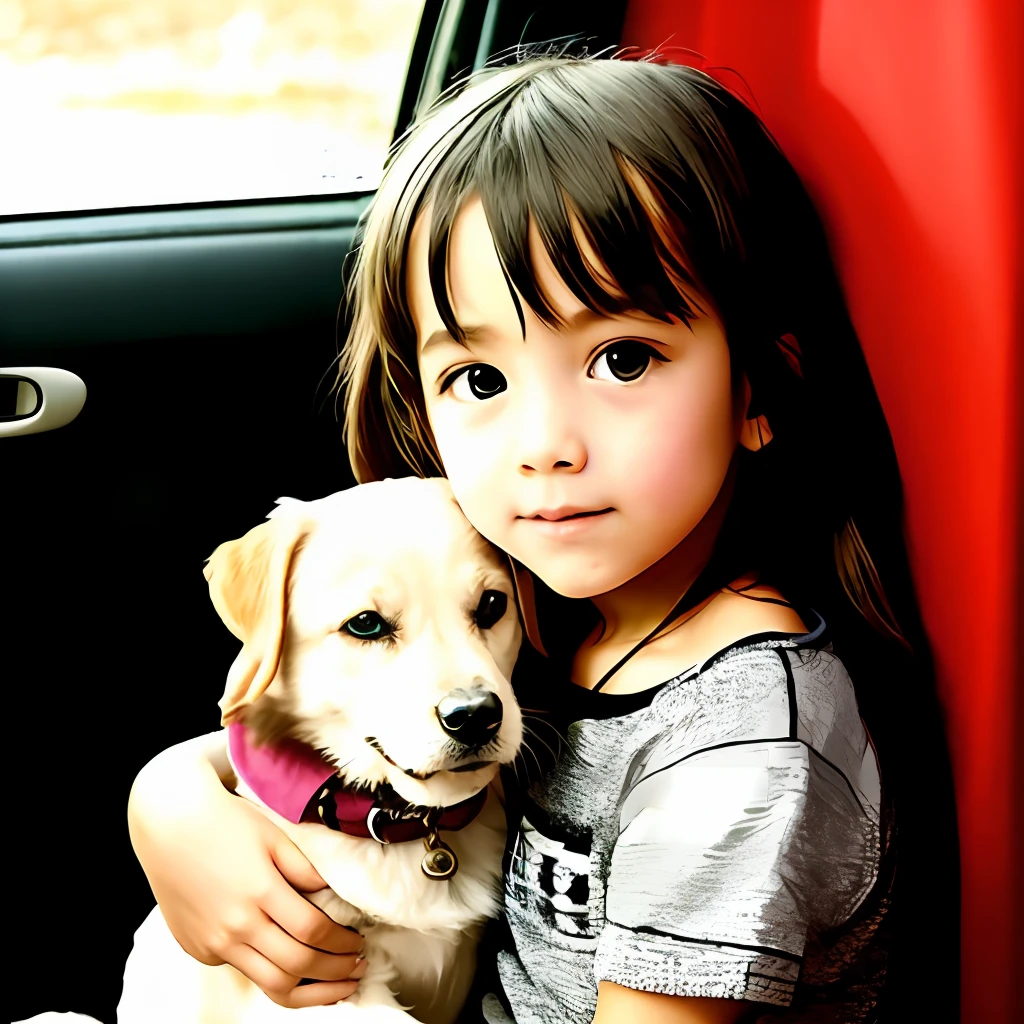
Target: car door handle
x,y
40,398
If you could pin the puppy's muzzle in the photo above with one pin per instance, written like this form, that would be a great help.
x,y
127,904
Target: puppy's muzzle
x,y
470,717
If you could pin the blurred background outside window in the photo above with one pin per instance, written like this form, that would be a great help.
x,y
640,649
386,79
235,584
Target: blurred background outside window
x,y
116,103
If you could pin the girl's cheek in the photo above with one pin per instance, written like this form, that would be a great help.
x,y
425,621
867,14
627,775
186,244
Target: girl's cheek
x,y
469,462
679,440
670,472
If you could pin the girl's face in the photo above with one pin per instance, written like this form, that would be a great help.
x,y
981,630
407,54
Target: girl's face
x,y
588,453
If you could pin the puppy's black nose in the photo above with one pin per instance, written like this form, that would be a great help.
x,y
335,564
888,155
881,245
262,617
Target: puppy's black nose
x,y
470,716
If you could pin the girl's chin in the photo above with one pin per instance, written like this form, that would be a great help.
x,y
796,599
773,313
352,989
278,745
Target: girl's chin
x,y
580,584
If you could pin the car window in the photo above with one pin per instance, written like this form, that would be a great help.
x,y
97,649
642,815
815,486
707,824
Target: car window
x,y
126,103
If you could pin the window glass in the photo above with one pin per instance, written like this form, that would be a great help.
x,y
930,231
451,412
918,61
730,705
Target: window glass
x,y
114,103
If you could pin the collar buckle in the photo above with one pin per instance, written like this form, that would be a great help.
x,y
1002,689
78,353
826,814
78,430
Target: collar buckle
x,y
378,818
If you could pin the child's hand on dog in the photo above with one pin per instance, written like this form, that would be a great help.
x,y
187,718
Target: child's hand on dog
x,y
228,882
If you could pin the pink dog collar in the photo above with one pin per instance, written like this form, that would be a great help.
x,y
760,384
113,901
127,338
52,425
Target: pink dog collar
x,y
300,785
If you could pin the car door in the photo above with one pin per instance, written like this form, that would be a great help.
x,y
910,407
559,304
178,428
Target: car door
x,y
205,333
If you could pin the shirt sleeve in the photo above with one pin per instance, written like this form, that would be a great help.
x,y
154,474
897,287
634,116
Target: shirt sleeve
x,y
730,857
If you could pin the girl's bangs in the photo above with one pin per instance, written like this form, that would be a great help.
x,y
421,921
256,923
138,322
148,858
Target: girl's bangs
x,y
623,229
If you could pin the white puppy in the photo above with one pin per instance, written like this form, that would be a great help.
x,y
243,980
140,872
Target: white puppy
x,y
370,699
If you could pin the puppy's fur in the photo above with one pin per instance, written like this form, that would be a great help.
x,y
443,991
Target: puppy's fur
x,y
401,548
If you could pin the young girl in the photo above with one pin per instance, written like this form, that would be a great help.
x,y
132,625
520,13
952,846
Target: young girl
x,y
594,295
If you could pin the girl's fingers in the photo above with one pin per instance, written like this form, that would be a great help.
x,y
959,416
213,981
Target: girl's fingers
x,y
294,866
308,924
300,961
285,989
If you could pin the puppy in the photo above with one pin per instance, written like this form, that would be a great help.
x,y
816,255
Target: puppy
x,y
368,712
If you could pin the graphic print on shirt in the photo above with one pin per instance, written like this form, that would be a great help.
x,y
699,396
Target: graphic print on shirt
x,y
550,880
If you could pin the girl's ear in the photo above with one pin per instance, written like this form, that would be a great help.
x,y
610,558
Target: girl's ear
x,y
755,432
527,605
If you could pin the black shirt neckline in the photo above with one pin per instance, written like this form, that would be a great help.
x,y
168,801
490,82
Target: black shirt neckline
x,y
576,703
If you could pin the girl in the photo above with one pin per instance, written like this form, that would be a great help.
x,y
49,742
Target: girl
x,y
595,296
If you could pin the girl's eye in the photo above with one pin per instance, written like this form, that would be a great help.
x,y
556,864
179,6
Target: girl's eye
x,y
624,361
490,609
475,383
368,626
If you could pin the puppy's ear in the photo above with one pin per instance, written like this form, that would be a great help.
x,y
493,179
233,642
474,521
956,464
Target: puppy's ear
x,y
527,605
248,581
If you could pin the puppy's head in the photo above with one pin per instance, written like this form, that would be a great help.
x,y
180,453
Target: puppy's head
x,y
380,627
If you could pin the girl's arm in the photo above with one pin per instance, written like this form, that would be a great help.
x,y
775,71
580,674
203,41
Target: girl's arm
x,y
617,1005
228,881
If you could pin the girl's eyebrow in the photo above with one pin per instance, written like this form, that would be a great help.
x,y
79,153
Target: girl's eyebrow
x,y
582,318
471,334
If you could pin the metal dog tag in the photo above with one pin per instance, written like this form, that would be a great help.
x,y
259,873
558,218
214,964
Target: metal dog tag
x,y
439,861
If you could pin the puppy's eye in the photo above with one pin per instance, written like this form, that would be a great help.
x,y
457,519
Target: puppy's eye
x,y
490,609
368,626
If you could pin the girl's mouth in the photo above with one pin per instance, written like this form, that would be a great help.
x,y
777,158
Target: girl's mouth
x,y
565,514
566,523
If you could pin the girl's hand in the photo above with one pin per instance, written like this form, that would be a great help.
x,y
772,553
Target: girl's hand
x,y
228,881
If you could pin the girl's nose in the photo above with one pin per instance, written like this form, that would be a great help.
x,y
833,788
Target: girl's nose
x,y
545,452
551,442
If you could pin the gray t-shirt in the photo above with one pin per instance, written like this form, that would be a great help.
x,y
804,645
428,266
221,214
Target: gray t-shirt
x,y
718,835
